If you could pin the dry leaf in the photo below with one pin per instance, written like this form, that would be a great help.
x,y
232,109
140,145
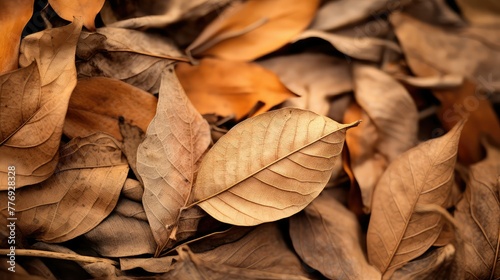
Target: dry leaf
x,y
14,16
478,214
132,138
82,192
269,167
134,57
327,237
359,47
433,51
154,265
33,146
348,12
401,226
86,9
262,249
133,189
120,236
190,267
482,13
175,141
468,101
97,104
315,77
251,29
230,87
433,265
155,14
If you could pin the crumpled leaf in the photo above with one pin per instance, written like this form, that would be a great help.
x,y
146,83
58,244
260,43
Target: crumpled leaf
x,y
348,12
190,267
315,77
81,193
135,57
86,9
123,233
327,237
261,249
478,214
433,51
401,225
97,103
33,145
230,87
251,29
269,167
155,14
359,47
433,265
168,158
14,16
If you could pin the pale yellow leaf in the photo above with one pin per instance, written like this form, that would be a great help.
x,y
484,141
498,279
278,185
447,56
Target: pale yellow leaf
x,y
269,167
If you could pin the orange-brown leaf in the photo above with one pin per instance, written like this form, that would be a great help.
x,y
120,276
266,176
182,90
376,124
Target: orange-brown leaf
x,y
87,9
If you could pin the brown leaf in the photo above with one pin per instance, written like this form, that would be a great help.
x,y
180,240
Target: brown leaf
x,y
327,237
482,12
190,267
132,138
359,47
251,29
154,265
262,249
315,77
175,141
137,58
97,104
123,233
467,101
433,265
133,189
14,16
478,214
230,87
401,228
32,147
81,193
269,167
86,9
458,51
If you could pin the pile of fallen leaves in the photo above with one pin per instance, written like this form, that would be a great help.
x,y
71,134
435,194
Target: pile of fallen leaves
x,y
221,139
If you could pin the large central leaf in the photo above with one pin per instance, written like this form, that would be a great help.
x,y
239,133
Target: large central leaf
x,y
269,167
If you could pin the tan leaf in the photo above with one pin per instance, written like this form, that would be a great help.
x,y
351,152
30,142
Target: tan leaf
x,y
327,237
135,57
155,14
86,9
262,249
230,87
97,103
399,230
81,193
33,146
269,167
14,16
154,265
433,265
251,29
133,189
123,233
479,214
460,51
482,12
132,138
359,47
190,267
315,77
175,141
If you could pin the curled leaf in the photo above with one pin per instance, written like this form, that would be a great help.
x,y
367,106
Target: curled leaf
x,y
269,167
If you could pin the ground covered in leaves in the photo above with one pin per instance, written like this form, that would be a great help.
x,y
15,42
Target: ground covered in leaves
x,y
258,139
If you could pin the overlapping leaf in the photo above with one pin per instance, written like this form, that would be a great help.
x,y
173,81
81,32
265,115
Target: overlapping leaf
x,y
86,9
81,193
32,137
269,167
406,217
168,158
